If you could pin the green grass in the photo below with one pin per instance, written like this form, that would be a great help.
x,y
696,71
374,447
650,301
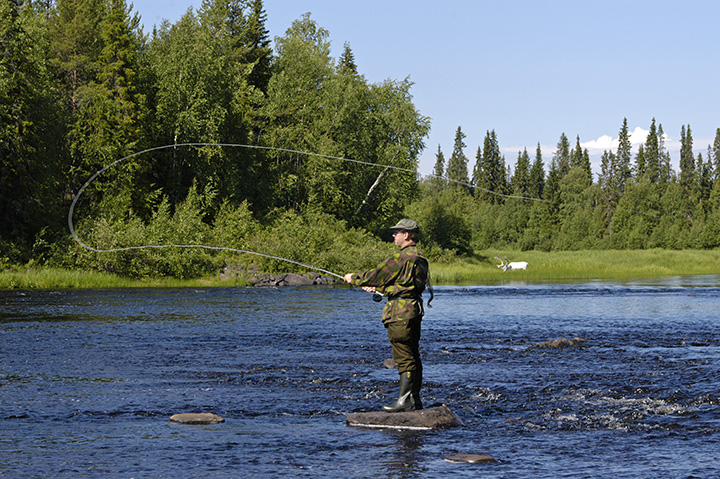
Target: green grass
x,y
477,269
577,265
56,278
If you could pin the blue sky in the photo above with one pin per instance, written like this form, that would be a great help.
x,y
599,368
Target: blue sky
x,y
528,69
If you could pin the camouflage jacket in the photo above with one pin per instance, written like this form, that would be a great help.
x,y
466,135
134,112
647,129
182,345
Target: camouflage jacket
x,y
402,278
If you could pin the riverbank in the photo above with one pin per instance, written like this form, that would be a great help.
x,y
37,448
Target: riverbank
x,y
578,265
478,269
25,277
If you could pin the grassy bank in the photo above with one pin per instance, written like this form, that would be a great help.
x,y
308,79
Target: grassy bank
x,y
478,269
55,278
578,265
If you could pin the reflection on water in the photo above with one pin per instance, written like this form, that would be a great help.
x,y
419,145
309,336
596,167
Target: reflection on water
x,y
88,380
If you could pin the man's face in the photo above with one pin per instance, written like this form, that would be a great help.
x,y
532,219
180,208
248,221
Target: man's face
x,y
400,237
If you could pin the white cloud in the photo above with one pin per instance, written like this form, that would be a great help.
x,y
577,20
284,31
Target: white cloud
x,y
596,147
606,142
638,136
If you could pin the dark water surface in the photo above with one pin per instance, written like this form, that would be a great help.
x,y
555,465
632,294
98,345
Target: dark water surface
x,y
88,380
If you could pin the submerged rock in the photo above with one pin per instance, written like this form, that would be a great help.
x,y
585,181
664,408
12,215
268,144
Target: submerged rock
x,y
470,458
390,363
197,418
558,343
439,417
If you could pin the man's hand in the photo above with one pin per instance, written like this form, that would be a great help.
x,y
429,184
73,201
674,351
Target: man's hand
x,y
369,289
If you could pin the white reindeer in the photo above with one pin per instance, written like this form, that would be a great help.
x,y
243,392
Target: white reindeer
x,y
505,265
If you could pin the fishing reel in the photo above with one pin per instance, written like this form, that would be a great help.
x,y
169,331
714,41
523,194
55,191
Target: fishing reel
x,y
377,297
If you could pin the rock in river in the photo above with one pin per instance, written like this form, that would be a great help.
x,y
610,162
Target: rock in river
x,y
470,458
558,343
438,417
390,363
197,418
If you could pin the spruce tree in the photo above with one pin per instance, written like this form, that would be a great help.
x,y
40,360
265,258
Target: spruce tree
x,y
623,159
551,211
715,156
457,167
704,181
438,179
576,154
106,122
537,175
346,63
521,177
561,159
666,171
30,172
581,159
490,175
651,155
609,188
77,43
640,164
687,160
478,174
256,40
239,35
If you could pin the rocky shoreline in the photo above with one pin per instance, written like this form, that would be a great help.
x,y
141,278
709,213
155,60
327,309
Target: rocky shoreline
x,y
252,276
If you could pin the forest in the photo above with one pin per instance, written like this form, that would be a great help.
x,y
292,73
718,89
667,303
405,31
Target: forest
x,y
227,141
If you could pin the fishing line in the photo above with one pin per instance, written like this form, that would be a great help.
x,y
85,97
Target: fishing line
x,y
216,248
226,248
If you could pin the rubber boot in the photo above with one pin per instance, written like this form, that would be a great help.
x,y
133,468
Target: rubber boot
x,y
415,389
405,401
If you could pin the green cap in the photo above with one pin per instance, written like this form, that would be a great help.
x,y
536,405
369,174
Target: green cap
x,y
406,225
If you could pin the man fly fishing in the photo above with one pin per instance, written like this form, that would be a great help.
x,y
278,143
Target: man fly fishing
x,y
402,278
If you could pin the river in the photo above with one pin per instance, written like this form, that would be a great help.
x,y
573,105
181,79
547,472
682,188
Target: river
x,y
89,379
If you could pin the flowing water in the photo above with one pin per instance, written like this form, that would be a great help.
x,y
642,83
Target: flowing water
x,y
88,380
